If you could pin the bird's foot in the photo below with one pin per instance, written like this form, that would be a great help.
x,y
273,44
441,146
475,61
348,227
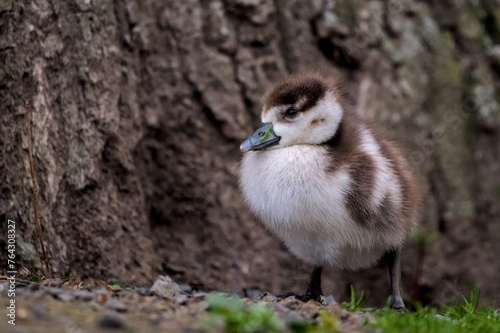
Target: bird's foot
x,y
398,305
310,296
401,310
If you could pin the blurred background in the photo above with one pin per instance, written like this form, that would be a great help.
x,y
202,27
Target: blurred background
x,y
139,108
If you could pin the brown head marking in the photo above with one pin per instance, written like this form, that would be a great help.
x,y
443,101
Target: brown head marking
x,y
304,90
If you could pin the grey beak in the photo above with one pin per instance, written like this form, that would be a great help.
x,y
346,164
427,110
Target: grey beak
x,y
263,138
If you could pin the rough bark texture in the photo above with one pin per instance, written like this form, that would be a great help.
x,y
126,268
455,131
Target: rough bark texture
x,y
140,106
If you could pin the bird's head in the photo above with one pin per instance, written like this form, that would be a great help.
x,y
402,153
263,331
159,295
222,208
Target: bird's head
x,y
302,110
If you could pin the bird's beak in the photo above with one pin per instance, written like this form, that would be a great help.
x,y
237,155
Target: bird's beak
x,y
263,138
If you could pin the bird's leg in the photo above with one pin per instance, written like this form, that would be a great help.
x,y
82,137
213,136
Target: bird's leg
x,y
314,291
393,260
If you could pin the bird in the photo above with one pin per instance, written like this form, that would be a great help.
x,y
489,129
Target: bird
x,y
327,183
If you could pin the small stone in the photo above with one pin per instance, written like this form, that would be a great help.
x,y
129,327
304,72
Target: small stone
x,y
83,295
164,286
266,297
145,291
181,299
112,321
186,288
290,298
329,301
65,297
116,305
61,294
344,314
199,295
251,293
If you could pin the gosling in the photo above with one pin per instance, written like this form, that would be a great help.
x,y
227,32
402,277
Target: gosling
x,y
327,184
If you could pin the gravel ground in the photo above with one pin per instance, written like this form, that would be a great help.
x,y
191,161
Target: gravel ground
x,y
166,306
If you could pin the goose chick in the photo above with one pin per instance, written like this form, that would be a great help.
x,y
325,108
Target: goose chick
x,y
326,184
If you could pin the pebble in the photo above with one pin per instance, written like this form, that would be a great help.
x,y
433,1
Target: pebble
x,y
330,301
65,297
266,297
61,294
181,299
83,295
145,291
251,293
344,314
116,305
165,287
199,294
112,321
186,288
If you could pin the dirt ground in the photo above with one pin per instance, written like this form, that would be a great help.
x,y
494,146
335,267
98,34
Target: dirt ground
x,y
165,306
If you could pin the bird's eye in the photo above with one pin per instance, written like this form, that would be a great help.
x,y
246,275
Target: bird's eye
x,y
290,113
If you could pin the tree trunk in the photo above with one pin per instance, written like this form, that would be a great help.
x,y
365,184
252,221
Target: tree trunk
x,y
139,108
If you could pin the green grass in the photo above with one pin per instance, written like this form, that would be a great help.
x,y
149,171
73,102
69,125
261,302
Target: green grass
x,y
36,279
357,302
118,285
235,317
232,315
453,319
